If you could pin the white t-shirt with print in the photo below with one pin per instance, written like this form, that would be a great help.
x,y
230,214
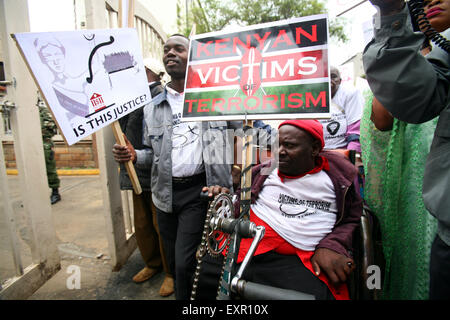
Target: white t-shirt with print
x,y
302,211
187,158
346,108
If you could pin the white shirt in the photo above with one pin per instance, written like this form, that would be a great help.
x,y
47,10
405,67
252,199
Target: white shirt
x,y
346,108
187,158
297,209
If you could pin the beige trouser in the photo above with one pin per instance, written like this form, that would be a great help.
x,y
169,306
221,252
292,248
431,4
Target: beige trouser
x,y
147,232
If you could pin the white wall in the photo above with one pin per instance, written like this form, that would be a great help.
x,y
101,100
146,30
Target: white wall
x,y
51,15
165,11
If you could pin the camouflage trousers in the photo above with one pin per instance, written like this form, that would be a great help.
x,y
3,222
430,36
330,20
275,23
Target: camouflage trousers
x,y
50,163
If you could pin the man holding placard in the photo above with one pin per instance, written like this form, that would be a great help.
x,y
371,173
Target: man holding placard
x,y
147,234
179,157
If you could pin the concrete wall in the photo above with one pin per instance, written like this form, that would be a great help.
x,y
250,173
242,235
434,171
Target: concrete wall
x,y
79,155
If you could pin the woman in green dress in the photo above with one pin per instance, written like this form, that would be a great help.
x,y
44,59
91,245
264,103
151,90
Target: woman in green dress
x,y
394,154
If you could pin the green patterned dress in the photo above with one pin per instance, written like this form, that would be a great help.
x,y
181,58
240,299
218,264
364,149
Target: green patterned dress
x,y
394,163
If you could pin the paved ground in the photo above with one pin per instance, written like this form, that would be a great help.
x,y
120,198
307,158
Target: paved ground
x,y
99,283
81,236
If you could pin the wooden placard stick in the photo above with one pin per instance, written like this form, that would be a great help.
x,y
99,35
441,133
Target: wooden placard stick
x,y
246,173
115,126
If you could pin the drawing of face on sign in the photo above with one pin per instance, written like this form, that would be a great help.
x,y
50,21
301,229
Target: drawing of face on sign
x,y
54,55
69,89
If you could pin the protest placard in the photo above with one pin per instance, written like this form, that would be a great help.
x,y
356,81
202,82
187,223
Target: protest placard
x,y
89,78
274,70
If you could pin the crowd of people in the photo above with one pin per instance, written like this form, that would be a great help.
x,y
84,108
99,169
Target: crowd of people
x,y
308,197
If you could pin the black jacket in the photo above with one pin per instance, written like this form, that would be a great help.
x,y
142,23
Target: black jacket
x,y
132,127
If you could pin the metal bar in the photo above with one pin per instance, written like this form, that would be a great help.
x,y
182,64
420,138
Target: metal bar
x,y
351,8
6,83
257,238
247,158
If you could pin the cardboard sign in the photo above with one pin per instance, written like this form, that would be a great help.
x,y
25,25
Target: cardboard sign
x,y
270,71
89,78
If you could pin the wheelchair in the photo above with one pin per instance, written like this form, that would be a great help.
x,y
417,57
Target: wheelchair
x,y
217,255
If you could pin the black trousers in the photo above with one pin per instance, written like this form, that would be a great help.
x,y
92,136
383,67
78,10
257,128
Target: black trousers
x,y
439,270
272,269
181,233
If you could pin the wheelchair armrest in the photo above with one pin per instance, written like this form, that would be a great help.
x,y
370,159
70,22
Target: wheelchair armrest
x,y
367,241
366,255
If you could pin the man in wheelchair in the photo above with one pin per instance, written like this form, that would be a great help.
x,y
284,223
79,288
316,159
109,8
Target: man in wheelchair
x,y
309,208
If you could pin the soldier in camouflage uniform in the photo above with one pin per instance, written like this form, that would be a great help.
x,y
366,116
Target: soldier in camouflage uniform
x,y
49,128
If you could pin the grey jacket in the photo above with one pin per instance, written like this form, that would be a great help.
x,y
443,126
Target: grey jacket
x,y
416,89
217,144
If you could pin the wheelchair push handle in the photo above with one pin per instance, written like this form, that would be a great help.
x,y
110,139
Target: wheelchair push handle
x,y
205,197
256,291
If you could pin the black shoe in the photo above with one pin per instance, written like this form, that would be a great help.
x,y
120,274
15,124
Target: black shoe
x,y
54,198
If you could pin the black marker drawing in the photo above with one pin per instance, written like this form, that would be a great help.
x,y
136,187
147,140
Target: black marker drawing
x,y
107,43
118,61
89,38
97,111
80,75
296,213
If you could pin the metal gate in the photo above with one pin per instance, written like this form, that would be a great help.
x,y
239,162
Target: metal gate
x,y
24,119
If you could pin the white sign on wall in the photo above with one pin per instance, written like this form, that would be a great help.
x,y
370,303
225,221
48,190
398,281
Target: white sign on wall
x,y
89,78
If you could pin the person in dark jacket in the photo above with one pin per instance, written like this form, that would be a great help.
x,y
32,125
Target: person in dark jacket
x,y
416,89
309,208
146,228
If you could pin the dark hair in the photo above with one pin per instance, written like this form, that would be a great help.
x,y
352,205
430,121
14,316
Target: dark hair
x,y
337,70
178,35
